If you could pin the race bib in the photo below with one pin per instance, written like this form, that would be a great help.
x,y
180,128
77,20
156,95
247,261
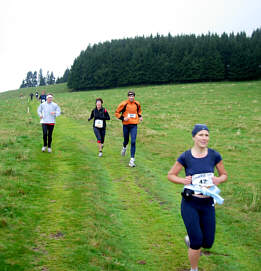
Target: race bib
x,y
98,123
133,116
203,179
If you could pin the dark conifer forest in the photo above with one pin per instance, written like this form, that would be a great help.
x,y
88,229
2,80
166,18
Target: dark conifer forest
x,y
168,59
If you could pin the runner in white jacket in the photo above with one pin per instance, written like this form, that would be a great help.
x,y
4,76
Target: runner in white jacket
x,y
48,111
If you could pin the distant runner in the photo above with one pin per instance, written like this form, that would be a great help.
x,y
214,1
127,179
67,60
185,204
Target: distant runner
x,y
100,115
42,97
129,112
31,96
48,111
36,95
200,191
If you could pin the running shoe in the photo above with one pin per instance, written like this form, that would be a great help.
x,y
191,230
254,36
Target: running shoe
x,y
100,154
187,241
123,151
43,149
131,163
49,150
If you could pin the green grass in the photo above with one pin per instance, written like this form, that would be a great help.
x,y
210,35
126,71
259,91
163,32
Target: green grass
x,y
71,210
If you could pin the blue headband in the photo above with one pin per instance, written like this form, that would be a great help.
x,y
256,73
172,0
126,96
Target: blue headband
x,y
199,127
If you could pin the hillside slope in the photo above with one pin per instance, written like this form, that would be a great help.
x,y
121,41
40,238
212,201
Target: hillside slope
x,y
71,210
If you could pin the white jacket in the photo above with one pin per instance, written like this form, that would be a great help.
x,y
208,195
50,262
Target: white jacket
x,y
45,110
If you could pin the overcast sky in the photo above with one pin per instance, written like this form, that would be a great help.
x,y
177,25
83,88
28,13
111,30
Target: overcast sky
x,y
50,34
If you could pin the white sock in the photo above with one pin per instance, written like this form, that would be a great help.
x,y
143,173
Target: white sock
x,y
196,269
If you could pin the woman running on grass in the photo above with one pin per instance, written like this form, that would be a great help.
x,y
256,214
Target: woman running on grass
x,y
100,115
48,111
197,209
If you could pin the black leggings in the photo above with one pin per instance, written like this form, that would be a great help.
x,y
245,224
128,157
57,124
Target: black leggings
x,y
100,134
47,134
199,218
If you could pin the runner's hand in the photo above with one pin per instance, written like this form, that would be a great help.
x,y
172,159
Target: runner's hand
x,y
126,119
215,180
187,180
140,118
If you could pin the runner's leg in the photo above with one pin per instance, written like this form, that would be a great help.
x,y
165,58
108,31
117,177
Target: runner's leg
x,y
208,224
103,132
98,135
133,132
125,135
44,127
50,134
190,215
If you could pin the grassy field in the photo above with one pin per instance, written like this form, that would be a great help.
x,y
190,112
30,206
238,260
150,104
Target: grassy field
x,y
71,210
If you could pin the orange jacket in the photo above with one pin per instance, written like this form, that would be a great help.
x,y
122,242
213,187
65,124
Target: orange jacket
x,y
129,109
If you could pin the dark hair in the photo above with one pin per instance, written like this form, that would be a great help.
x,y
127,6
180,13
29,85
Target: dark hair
x,y
131,93
99,99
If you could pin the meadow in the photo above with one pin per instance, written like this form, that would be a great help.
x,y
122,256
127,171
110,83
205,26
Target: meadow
x,y
71,210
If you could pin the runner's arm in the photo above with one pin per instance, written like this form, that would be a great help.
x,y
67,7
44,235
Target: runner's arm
x,y
140,112
107,116
39,110
173,175
221,172
118,111
91,116
57,111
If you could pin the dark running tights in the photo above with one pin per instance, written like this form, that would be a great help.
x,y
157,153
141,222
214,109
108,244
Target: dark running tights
x,y
199,218
130,130
47,134
100,134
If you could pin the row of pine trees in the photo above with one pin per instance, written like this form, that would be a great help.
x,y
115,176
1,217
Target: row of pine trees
x,y
160,60
34,79
168,59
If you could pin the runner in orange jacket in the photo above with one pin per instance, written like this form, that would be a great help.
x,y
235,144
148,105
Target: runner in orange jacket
x,y
129,112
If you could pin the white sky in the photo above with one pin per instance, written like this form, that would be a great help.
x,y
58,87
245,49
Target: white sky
x,y
50,34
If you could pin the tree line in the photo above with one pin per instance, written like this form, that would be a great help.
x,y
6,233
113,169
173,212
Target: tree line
x,y
34,79
167,59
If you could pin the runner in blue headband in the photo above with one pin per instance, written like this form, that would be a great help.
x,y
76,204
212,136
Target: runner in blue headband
x,y
199,127
197,207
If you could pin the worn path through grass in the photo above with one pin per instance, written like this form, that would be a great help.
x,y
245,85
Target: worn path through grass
x,y
97,216
71,210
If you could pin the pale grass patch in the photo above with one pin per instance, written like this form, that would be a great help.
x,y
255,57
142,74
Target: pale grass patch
x,y
81,116
254,205
256,130
242,125
94,243
252,140
22,156
231,147
238,133
258,118
151,132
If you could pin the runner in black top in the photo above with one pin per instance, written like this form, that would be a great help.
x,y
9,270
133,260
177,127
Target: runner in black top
x,y
42,97
100,115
